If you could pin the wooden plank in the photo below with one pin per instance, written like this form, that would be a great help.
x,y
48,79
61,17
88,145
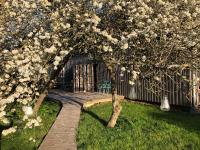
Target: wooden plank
x,y
74,79
91,102
92,77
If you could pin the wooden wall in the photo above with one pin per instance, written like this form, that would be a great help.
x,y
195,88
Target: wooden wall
x,y
77,75
83,78
82,74
178,92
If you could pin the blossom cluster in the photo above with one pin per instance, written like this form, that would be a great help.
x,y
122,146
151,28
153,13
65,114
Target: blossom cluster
x,y
32,122
9,131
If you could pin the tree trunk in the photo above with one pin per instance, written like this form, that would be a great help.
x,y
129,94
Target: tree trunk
x,y
39,102
116,105
53,75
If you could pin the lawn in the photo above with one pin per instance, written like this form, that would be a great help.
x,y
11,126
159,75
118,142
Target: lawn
x,y
20,140
141,127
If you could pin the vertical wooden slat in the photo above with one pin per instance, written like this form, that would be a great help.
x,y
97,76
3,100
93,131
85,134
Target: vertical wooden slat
x,y
89,77
178,93
139,90
86,78
149,93
74,78
180,90
143,96
92,77
77,77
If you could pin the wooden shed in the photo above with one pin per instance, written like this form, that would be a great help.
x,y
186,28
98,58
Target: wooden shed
x,y
82,74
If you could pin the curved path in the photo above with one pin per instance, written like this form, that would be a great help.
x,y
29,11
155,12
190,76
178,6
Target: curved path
x,y
62,135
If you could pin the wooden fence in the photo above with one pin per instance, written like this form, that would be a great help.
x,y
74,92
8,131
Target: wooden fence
x,y
83,75
177,91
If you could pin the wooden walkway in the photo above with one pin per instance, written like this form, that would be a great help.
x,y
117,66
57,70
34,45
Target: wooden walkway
x,y
62,135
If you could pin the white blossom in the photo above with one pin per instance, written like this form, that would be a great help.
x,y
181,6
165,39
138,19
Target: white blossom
x,y
124,46
9,131
123,69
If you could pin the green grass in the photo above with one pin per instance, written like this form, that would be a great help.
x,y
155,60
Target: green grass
x,y
139,127
20,139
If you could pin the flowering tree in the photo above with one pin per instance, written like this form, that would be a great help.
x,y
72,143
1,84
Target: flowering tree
x,y
146,38
32,41
143,37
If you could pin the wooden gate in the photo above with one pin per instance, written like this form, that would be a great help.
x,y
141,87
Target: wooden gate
x,y
84,80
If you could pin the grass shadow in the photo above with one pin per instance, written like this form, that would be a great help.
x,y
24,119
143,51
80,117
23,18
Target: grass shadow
x,y
95,116
1,130
190,122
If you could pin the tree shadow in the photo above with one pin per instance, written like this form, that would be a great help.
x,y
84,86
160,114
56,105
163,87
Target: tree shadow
x,y
95,116
74,100
190,122
1,129
4,127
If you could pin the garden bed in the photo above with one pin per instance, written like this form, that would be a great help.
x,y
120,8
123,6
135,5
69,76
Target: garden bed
x,y
139,127
30,139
